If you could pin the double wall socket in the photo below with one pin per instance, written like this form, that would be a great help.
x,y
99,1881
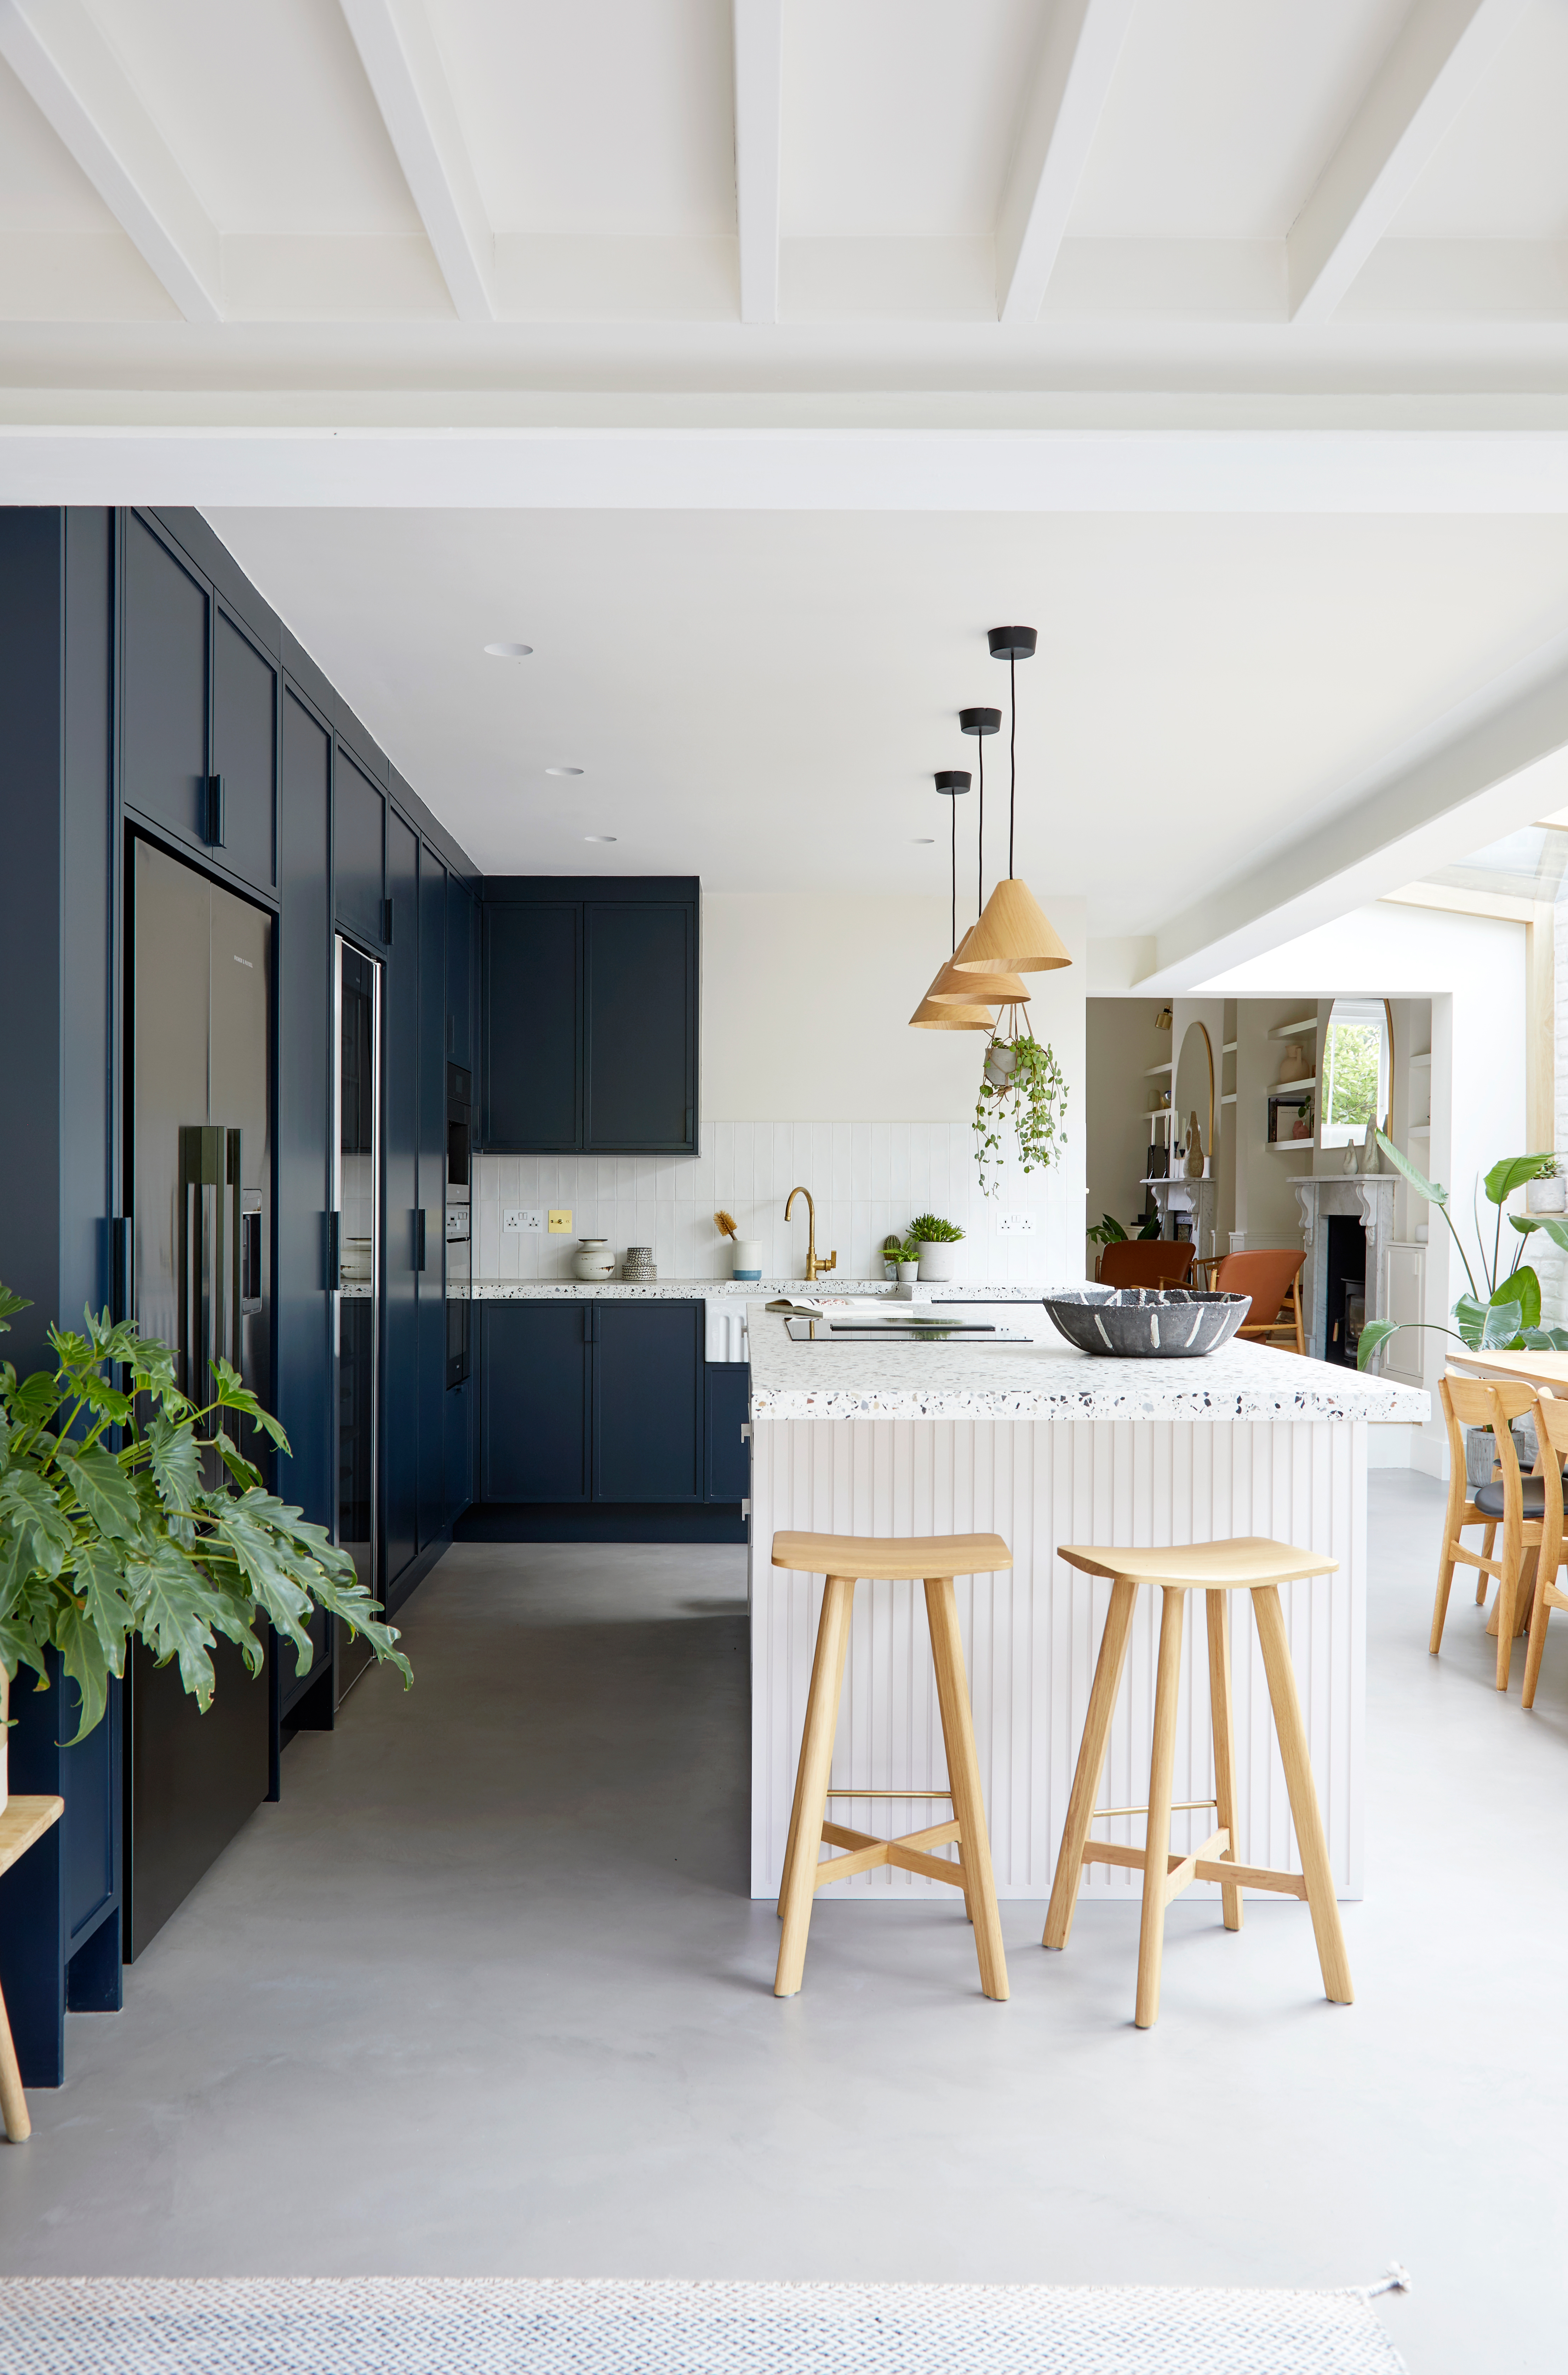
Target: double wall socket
x,y
1015,1224
521,1219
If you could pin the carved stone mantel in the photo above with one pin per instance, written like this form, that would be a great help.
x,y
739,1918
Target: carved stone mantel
x,y
1199,1198
1368,1197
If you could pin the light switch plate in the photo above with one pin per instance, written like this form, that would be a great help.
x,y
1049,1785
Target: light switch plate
x,y
533,1221
510,1220
1015,1224
560,1225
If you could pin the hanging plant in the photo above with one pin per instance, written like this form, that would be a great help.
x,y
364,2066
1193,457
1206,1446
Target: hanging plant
x,y
1020,1086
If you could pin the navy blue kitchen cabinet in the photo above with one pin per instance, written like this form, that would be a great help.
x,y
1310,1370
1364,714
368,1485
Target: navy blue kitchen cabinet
x,y
589,1008
400,1104
647,1401
358,839
462,935
241,807
431,1226
727,1475
167,621
535,1375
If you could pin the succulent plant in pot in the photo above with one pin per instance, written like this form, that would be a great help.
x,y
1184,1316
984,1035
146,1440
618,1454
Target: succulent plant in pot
x,y
128,1512
933,1240
1020,1084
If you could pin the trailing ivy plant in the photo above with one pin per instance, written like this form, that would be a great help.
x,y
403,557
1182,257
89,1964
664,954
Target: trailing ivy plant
x,y
1507,1317
1020,1085
117,1520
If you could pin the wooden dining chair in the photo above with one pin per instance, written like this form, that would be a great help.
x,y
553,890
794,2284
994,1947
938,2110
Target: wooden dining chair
x,y
1146,1261
1514,1501
1551,1433
1272,1277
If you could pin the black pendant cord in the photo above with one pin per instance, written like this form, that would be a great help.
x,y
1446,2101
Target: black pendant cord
x,y
1012,758
980,843
952,806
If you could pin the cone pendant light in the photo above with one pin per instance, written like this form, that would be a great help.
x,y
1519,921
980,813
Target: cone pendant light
x,y
959,1010
1013,935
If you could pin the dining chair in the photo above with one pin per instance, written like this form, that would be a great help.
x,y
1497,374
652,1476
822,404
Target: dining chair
x,y
1514,1501
1551,1433
1146,1261
1272,1277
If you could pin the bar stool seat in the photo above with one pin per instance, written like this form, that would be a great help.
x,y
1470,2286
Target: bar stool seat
x,y
842,1559
1251,1564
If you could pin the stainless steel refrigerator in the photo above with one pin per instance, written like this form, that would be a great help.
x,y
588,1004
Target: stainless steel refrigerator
x,y
199,1170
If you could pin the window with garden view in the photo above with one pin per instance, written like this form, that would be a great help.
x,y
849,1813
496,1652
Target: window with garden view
x,y
1355,1069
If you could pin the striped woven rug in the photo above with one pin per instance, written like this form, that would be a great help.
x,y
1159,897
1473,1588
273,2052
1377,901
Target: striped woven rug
x,y
394,2325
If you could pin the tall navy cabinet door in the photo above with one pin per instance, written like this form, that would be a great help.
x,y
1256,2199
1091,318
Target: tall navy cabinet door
x,y
647,1401
166,623
244,749
459,935
357,827
432,1281
639,1006
401,1058
534,1382
531,1007
304,1107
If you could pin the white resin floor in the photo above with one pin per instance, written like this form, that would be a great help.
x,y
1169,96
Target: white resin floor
x,y
485,1995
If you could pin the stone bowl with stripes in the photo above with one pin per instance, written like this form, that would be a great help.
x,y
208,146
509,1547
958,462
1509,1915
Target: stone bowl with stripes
x,y
1147,1323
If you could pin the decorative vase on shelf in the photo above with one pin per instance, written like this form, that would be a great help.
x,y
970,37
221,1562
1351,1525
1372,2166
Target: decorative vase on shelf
x,y
1352,1164
1372,1153
1294,1065
1195,1150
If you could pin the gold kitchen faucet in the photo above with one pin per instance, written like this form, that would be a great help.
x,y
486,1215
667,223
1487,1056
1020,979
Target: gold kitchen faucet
x,y
813,1266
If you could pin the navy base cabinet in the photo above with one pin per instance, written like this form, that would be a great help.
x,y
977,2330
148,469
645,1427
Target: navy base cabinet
x,y
533,1385
728,1467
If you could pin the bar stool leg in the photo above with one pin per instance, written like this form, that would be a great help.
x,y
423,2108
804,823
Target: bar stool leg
x,y
13,2101
1291,1736
1091,1763
1217,1613
963,1773
819,1670
1156,1838
950,1755
811,1785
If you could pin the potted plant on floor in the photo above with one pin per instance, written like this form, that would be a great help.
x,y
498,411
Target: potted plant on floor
x,y
1506,1319
933,1240
127,1511
1022,1084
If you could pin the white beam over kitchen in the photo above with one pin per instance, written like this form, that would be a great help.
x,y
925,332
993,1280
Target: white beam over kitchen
x,y
1434,69
397,49
1078,56
79,85
759,105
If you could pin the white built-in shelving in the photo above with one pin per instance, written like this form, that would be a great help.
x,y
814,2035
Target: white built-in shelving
x,y
1290,1030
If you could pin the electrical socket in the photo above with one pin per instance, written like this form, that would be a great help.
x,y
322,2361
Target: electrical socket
x,y
533,1221
1015,1224
510,1220
560,1223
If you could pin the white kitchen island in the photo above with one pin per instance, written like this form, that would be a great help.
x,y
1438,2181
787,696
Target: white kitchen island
x,y
1042,1445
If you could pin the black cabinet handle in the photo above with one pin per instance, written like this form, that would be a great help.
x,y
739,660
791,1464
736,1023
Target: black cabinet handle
x,y
216,819
122,1268
419,1237
332,1243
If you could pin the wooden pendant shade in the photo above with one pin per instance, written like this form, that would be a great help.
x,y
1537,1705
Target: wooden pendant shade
x,y
945,1014
952,987
1012,937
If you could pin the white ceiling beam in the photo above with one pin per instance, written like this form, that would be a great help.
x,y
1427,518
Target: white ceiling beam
x,y
1476,775
1067,99
73,79
758,132
1429,75
403,65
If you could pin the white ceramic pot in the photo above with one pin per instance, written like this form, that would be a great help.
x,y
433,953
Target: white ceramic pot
x,y
937,1261
908,1273
1546,1195
746,1257
1000,1064
594,1258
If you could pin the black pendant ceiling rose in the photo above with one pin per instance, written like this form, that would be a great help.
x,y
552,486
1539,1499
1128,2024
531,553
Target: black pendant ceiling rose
x,y
1012,643
954,781
981,721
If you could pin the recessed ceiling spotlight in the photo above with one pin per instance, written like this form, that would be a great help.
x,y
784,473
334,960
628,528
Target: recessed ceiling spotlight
x,y
563,771
601,836
923,840
508,651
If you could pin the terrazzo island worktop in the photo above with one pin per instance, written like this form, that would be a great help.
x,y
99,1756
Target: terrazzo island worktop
x,y
1043,1444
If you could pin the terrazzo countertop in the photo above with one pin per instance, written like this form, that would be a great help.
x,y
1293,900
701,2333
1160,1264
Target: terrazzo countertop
x,y
690,1290
1049,1378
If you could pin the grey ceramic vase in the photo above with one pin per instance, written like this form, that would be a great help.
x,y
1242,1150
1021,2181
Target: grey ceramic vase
x,y
1147,1323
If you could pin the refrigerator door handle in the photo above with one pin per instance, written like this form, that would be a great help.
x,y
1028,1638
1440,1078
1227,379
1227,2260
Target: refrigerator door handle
x,y
333,1252
122,1268
419,1236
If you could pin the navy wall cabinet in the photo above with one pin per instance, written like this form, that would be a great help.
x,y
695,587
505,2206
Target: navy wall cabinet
x,y
594,1400
359,851
536,1366
432,1222
647,1401
400,1394
589,1012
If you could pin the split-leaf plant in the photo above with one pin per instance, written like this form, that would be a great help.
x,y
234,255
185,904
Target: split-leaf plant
x,y
1506,1319
127,1511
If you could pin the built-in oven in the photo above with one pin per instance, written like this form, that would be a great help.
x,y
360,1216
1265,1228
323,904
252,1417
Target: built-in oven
x,y
459,1218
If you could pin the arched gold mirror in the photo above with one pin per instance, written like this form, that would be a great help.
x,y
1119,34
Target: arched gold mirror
x,y
1195,1084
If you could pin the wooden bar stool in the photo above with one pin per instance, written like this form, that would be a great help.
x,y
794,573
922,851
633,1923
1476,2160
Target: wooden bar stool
x,y
842,1559
1215,1568
23,1823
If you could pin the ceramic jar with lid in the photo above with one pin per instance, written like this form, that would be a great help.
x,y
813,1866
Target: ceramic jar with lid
x,y
593,1258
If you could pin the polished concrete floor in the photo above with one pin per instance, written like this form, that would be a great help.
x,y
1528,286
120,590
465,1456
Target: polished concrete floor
x,y
485,1995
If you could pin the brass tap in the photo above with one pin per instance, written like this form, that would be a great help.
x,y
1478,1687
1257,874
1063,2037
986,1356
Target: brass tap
x,y
813,1266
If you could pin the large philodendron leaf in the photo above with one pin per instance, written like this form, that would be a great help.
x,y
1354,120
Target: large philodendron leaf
x,y
1374,1332
1514,1170
104,1491
1407,1170
1488,1326
31,1517
173,1615
1545,1339
81,1653
174,1461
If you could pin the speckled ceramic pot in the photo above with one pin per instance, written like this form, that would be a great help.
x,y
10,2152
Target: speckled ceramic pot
x,y
1147,1323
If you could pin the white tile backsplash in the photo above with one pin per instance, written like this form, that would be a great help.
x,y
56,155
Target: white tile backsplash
x,y
867,1178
